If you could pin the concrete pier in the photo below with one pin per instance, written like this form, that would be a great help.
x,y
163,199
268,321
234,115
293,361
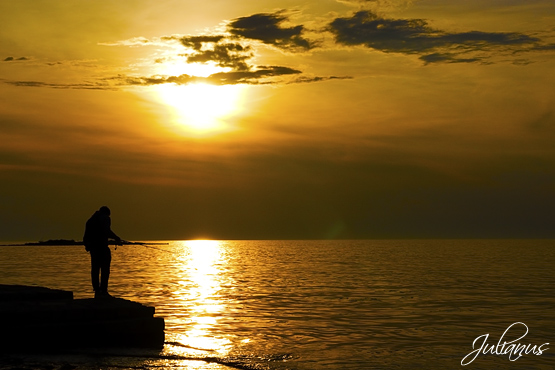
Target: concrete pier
x,y
37,318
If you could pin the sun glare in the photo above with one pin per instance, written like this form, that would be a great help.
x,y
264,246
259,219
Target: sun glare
x,y
200,108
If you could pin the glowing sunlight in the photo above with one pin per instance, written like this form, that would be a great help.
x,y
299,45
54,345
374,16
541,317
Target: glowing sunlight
x,y
199,108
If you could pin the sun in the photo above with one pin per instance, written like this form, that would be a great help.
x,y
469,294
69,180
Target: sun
x,y
200,108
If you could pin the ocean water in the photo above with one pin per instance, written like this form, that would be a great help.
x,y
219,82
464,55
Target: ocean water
x,y
316,305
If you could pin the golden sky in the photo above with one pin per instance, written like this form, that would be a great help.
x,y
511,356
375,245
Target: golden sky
x,y
278,119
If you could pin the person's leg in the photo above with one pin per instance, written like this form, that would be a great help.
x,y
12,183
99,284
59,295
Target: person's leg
x,y
95,270
105,268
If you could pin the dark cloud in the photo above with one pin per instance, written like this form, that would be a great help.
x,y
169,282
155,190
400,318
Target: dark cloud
x,y
415,36
233,53
197,42
258,76
447,58
227,54
307,79
365,4
548,47
254,77
154,80
261,75
268,28
11,59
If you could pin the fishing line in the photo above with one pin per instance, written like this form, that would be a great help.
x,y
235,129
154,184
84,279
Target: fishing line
x,y
177,344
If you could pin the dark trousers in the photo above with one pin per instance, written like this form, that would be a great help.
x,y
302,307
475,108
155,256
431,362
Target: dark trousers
x,y
101,257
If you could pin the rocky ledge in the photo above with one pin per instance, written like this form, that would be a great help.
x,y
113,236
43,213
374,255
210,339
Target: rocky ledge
x,y
38,318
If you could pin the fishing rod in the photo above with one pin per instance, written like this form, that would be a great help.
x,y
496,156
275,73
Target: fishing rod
x,y
146,245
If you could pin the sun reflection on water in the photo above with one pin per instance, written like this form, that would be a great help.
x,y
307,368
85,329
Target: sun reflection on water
x,y
199,289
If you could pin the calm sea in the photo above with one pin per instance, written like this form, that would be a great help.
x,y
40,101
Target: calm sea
x,y
316,305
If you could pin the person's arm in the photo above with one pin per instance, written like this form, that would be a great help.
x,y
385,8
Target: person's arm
x,y
114,236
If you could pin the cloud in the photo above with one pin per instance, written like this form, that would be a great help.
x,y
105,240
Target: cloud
x,y
233,52
391,4
415,36
261,75
219,50
12,59
135,41
447,58
197,42
307,79
234,49
251,75
254,77
268,28
225,51
83,86
548,47
265,27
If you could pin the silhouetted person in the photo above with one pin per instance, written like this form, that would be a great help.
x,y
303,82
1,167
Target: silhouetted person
x,y
97,232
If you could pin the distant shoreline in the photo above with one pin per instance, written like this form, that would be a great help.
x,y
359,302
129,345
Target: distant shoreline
x,y
70,242
45,242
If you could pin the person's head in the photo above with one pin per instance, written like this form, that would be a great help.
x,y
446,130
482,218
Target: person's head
x,y
104,210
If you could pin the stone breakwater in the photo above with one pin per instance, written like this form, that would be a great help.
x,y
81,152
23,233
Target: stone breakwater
x,y
38,318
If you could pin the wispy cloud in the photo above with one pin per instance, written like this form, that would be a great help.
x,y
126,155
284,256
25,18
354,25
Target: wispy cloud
x,y
97,85
135,41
